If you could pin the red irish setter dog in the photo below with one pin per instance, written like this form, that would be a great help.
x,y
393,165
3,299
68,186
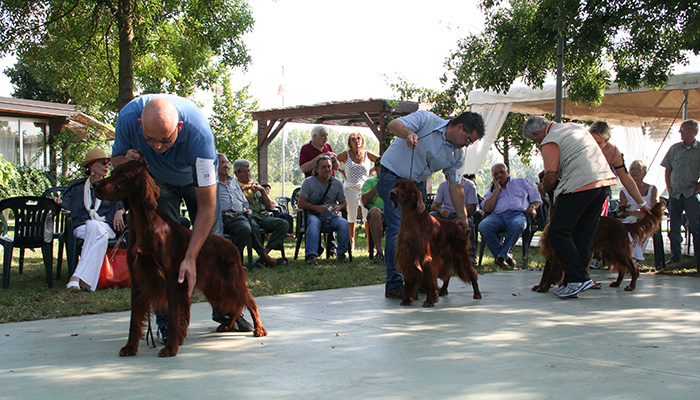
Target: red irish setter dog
x,y
428,248
612,241
157,245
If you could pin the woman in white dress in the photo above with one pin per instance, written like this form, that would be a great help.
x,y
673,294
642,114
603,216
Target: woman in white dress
x,y
94,220
650,194
358,165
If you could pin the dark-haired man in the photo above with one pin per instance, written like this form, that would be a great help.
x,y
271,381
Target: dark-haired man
x,y
425,143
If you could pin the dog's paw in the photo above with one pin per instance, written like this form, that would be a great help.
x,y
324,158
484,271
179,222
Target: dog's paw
x,y
535,288
477,296
428,304
406,302
259,331
128,350
224,328
629,288
615,284
167,352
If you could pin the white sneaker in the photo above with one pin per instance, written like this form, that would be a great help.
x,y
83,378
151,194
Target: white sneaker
x,y
595,263
574,288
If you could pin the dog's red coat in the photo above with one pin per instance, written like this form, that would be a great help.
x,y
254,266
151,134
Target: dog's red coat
x,y
157,245
428,248
612,241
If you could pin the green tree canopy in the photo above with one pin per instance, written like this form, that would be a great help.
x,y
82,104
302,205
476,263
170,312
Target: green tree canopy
x,y
101,52
232,125
638,40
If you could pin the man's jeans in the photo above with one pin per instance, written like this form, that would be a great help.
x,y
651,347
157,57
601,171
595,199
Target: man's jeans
x,y
676,207
512,223
313,233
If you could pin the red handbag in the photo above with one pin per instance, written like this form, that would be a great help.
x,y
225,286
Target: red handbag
x,y
115,269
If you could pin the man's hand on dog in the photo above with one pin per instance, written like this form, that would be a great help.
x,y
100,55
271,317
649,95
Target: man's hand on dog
x,y
463,225
188,269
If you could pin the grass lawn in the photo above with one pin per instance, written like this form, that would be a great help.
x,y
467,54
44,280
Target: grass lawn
x,y
29,298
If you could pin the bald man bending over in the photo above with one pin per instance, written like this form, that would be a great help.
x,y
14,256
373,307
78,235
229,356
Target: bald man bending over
x,y
175,139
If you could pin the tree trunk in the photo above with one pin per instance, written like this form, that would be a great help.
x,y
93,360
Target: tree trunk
x,y
126,53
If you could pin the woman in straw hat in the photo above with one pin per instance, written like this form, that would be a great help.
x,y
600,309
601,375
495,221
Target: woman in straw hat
x,y
94,220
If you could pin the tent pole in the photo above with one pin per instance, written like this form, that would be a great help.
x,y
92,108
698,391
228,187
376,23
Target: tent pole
x,y
560,69
685,104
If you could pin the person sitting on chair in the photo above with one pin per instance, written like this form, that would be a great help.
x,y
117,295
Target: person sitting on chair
x,y
94,220
375,216
442,208
234,207
323,196
507,202
285,216
261,221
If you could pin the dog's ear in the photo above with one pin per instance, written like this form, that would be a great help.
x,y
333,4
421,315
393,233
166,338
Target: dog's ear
x,y
150,191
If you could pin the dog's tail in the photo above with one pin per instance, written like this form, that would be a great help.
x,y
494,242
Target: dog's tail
x,y
646,227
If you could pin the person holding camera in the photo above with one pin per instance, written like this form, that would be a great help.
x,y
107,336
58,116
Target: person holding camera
x,y
323,196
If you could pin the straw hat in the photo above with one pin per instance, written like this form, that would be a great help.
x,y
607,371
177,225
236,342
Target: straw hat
x,y
94,155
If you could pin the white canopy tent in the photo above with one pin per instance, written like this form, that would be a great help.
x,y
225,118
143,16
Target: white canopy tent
x,y
638,114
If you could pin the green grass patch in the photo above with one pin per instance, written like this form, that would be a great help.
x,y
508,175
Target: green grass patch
x,y
29,298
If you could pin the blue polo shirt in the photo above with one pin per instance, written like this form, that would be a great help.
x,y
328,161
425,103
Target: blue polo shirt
x,y
191,159
432,154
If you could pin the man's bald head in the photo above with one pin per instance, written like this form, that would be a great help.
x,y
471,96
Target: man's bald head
x,y
160,122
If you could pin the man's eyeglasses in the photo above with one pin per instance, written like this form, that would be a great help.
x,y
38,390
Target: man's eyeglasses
x,y
161,141
469,140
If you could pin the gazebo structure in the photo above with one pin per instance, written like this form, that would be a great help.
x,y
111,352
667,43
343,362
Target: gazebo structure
x,y
28,127
374,114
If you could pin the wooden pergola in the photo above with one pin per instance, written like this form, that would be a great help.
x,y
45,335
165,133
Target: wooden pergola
x,y
374,114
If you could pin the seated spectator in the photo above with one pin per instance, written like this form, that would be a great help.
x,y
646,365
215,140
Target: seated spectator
x,y
323,196
442,208
318,146
260,204
94,220
629,208
375,216
234,207
506,203
285,216
308,156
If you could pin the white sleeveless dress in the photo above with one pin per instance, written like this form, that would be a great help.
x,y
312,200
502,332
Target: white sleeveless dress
x,y
355,176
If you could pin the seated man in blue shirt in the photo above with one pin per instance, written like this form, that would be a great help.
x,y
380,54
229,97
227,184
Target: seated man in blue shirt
x,y
506,203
